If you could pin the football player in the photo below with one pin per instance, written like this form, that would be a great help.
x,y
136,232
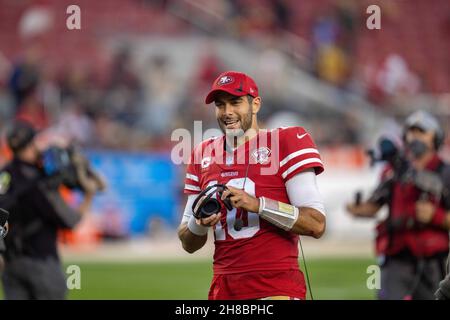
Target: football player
x,y
270,178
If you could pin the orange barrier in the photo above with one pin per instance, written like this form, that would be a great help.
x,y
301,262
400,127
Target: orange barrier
x,y
85,235
344,157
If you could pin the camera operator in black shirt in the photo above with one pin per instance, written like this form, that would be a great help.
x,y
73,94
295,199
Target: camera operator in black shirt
x,y
29,190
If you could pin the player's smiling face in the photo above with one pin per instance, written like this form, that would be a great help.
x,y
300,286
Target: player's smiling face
x,y
234,114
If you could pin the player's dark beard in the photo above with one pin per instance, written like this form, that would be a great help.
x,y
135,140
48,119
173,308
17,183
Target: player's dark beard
x,y
246,123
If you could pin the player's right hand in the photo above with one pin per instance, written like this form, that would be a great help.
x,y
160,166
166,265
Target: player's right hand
x,y
209,221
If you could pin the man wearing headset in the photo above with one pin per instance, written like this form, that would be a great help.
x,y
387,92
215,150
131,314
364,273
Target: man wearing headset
x,y
271,186
32,266
413,242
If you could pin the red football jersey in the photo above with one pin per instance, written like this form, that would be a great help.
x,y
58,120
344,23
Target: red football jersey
x,y
261,166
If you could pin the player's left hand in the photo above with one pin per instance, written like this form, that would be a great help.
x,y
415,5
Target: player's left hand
x,y
424,211
241,199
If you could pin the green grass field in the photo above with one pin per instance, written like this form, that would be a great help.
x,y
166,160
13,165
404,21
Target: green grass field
x,y
330,279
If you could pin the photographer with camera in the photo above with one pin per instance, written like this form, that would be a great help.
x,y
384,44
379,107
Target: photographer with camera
x,y
413,241
29,190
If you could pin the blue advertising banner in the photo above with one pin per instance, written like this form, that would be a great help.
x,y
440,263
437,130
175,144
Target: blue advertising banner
x,y
141,187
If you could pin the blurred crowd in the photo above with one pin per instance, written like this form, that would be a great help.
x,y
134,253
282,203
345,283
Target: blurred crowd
x,y
124,109
129,108
408,55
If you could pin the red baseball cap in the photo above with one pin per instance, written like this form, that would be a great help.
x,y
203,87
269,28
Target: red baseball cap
x,y
235,83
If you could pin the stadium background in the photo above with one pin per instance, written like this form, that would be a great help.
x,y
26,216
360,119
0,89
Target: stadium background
x,y
138,69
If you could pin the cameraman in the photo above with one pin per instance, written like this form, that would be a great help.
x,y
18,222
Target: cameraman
x,y
413,242
37,211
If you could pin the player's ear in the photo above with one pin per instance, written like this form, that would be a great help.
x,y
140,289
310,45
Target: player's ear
x,y
256,105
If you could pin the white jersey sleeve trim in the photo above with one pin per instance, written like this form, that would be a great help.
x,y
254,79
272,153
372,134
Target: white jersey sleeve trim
x,y
299,164
191,177
296,154
191,187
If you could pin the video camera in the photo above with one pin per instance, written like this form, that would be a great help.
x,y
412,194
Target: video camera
x,y
69,166
389,152
429,182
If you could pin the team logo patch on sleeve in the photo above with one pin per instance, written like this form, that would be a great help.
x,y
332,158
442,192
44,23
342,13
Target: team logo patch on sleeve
x,y
5,181
261,155
206,162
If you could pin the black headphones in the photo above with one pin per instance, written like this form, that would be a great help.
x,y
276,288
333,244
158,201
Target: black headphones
x,y
439,138
209,205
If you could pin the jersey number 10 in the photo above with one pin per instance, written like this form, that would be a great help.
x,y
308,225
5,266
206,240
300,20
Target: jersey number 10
x,y
252,226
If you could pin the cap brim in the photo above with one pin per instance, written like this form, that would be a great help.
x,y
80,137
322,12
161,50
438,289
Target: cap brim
x,y
212,94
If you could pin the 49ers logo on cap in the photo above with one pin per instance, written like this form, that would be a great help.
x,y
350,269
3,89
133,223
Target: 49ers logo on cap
x,y
224,80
